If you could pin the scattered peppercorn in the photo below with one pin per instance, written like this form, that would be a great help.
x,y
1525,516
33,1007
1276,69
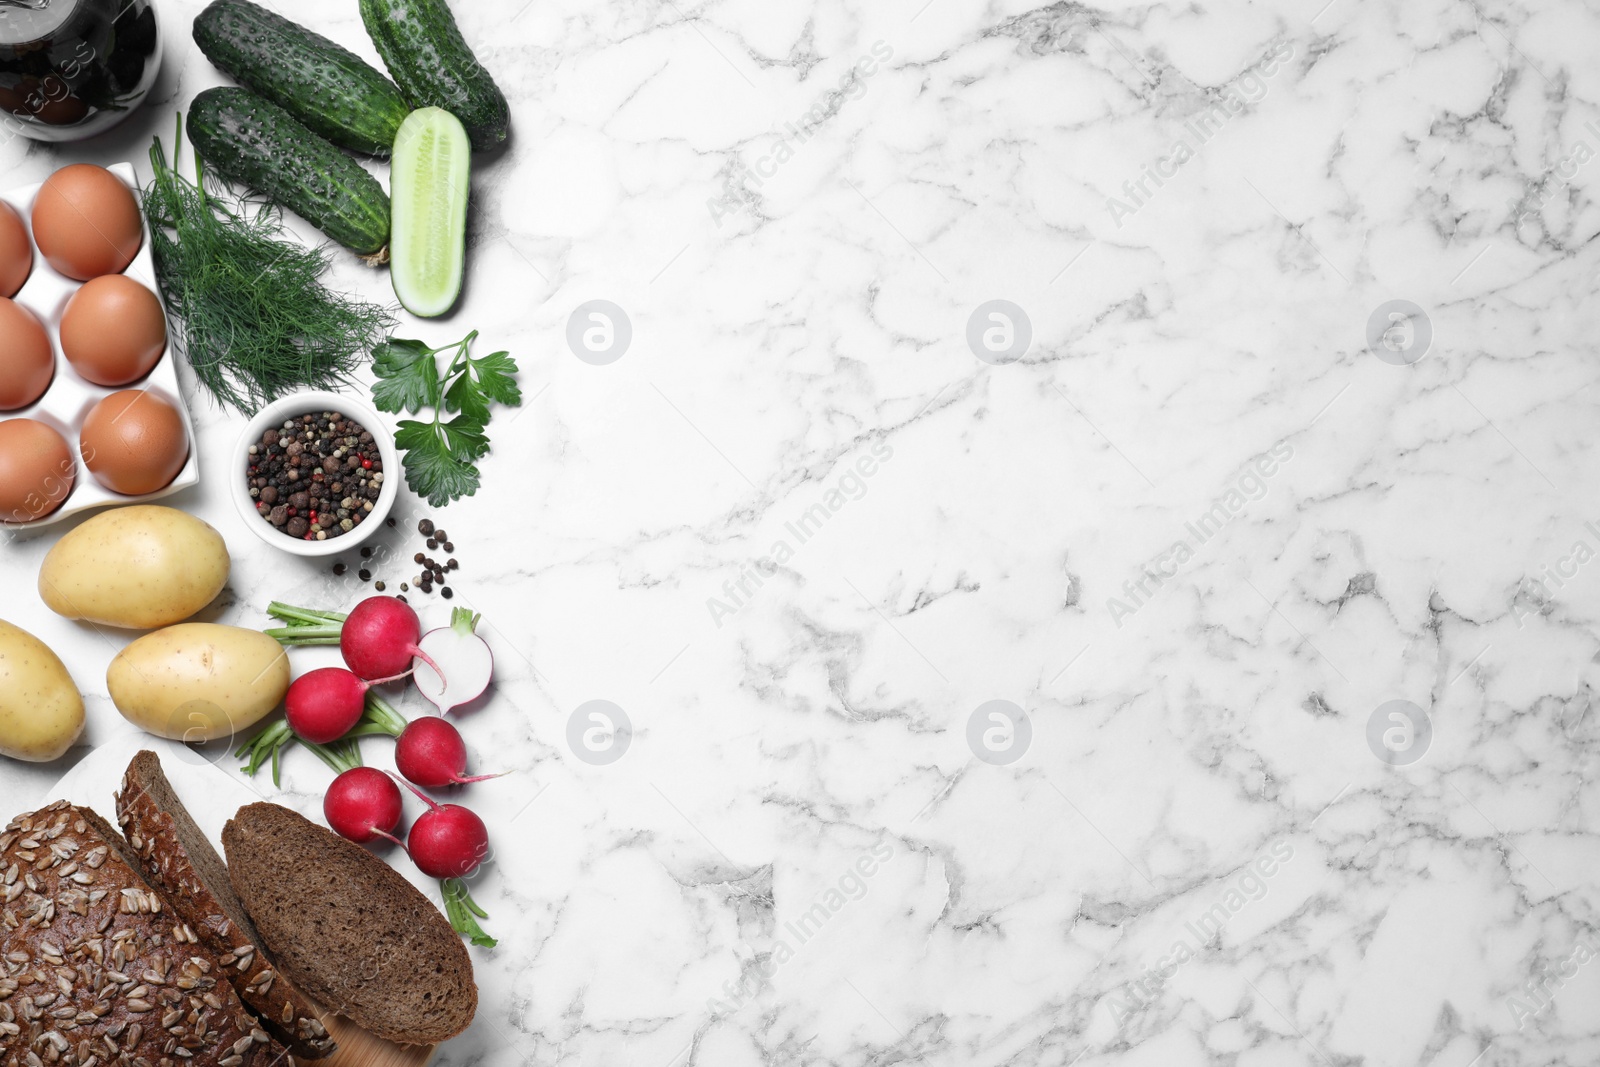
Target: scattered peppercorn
x,y
446,593
379,586
389,522
431,573
366,553
339,568
364,574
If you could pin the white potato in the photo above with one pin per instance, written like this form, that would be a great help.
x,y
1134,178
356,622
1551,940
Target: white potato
x,y
198,681
136,567
41,712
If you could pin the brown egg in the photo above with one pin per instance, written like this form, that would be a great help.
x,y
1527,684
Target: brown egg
x,y
36,470
112,331
133,442
16,253
26,362
86,222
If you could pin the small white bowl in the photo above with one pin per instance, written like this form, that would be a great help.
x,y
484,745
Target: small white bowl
x,y
278,412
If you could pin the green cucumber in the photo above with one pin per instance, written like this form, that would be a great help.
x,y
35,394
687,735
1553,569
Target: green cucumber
x,y
430,61
324,85
254,142
431,172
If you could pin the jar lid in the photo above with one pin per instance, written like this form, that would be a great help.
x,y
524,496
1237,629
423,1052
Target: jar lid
x,y
27,21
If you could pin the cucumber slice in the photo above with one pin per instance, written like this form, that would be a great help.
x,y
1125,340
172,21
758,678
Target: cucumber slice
x,y
432,169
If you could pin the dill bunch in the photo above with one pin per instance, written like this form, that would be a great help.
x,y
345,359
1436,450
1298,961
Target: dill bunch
x,y
248,305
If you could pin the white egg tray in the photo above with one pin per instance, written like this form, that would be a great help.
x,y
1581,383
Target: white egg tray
x,y
69,399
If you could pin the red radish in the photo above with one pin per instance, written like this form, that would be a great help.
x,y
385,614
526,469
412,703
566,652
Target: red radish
x,y
379,639
362,804
323,705
431,753
458,647
447,840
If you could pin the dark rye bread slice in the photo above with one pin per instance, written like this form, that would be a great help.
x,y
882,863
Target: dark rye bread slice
x,y
179,860
96,969
349,929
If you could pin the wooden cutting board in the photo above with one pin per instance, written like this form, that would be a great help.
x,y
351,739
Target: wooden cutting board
x,y
357,1048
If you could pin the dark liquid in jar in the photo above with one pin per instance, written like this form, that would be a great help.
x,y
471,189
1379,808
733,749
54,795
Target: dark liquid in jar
x,y
70,69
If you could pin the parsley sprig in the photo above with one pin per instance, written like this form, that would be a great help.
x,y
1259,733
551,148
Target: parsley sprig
x,y
441,455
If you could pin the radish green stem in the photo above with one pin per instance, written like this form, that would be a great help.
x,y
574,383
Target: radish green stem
x,y
268,745
307,626
464,913
369,729
379,719
308,616
304,636
382,717
343,755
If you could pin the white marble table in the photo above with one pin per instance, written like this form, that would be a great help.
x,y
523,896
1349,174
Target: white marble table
x,y
1202,531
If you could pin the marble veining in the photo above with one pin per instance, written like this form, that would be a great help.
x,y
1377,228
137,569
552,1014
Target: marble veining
x,y
1188,659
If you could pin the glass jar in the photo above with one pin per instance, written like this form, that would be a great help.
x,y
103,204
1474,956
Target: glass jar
x,y
70,69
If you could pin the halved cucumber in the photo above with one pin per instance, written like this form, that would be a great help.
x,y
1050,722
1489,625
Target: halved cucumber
x,y
432,168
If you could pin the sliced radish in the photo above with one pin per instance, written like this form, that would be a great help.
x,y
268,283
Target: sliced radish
x,y
455,652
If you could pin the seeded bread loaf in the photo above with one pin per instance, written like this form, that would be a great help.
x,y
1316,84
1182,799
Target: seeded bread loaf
x,y
349,929
177,858
95,969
